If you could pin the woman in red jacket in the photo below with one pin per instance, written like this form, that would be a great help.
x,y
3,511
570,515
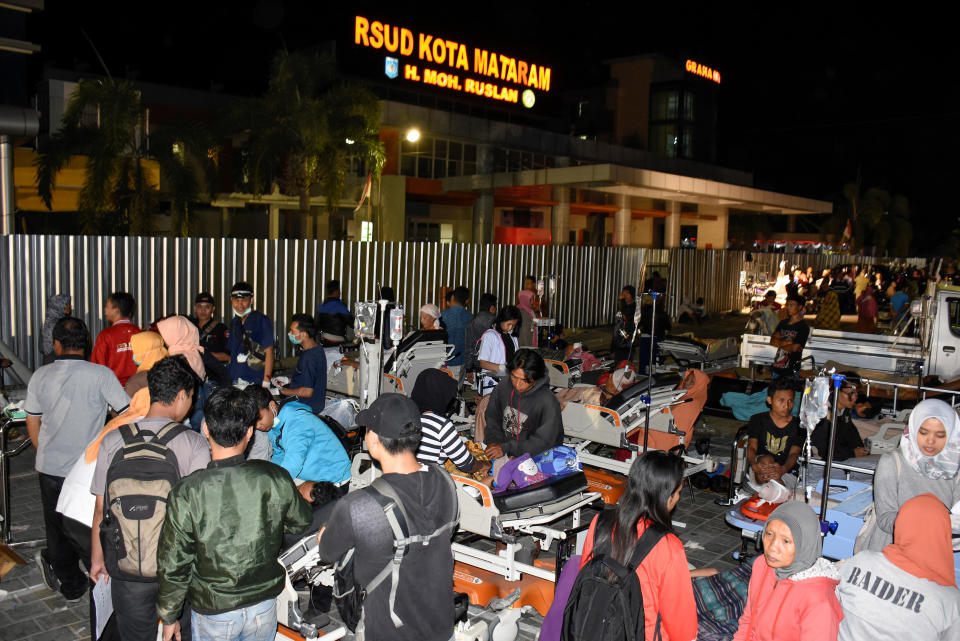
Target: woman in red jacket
x,y
791,595
653,490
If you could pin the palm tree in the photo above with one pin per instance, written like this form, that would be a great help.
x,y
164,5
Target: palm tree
x,y
103,121
185,152
304,130
876,219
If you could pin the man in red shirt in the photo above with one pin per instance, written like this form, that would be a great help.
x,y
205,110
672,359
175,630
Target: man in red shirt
x,y
112,348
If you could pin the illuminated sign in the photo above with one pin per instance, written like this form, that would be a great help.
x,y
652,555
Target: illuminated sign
x,y
453,65
703,71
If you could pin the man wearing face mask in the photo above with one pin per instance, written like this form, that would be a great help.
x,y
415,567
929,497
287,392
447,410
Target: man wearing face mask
x,y
251,339
309,382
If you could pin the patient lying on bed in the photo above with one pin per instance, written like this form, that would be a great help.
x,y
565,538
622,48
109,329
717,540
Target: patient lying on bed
x,y
607,387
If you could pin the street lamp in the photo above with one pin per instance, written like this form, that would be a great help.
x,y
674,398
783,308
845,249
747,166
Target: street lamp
x,y
413,135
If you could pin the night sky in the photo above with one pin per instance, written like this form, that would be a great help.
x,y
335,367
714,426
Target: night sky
x,y
812,95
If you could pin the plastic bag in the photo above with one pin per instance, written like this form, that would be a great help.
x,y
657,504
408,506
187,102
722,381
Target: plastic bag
x,y
815,403
558,461
773,492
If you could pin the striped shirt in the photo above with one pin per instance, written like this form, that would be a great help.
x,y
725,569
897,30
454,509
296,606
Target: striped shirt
x,y
440,441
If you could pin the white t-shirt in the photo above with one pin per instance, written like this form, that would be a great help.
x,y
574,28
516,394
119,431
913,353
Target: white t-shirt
x,y
881,601
493,351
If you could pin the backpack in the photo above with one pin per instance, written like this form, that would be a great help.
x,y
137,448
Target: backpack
x,y
347,593
606,602
139,480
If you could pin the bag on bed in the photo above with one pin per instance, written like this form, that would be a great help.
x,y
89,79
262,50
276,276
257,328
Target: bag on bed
x,y
869,529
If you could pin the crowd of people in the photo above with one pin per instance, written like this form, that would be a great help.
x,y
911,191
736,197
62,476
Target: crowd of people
x,y
175,466
874,293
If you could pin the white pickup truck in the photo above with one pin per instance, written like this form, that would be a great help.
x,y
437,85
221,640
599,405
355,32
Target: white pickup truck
x,y
937,347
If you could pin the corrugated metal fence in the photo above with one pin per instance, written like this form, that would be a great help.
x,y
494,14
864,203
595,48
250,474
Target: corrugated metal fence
x,y
164,274
715,274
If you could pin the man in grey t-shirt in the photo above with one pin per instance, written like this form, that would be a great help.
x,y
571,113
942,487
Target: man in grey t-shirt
x,y
66,406
171,384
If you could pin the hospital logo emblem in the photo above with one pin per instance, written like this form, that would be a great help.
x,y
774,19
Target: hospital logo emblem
x,y
391,67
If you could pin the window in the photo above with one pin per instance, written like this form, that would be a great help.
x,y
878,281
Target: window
x,y
954,304
665,106
366,230
420,231
686,144
437,158
663,140
688,106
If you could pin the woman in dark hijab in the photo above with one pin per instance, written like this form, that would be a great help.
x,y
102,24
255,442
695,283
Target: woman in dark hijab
x,y
58,306
791,595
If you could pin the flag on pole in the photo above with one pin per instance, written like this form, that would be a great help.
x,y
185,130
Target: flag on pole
x,y
847,231
365,194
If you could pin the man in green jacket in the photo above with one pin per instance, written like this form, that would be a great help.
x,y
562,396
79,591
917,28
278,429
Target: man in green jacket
x,y
223,532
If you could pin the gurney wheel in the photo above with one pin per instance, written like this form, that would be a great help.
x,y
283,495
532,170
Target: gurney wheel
x,y
700,480
702,445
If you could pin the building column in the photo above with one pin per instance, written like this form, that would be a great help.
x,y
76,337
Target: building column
x,y
483,205
389,200
7,189
308,224
791,224
273,224
621,222
483,217
671,229
224,222
560,218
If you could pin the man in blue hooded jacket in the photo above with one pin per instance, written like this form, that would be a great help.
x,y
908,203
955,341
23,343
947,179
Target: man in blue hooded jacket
x,y
303,444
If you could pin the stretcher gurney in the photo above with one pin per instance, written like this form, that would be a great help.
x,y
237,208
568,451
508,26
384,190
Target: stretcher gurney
x,y
712,355
401,370
563,373
505,517
620,424
848,503
849,499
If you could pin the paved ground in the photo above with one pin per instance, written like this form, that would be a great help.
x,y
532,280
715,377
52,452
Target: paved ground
x,y
29,611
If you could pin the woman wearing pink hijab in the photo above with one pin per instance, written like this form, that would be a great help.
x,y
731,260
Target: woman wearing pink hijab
x,y
183,337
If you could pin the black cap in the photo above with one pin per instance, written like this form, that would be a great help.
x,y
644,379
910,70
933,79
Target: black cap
x,y
204,297
241,290
392,416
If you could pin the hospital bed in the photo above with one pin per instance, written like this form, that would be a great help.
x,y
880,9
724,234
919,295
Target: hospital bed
x,y
504,517
847,507
709,356
620,424
421,350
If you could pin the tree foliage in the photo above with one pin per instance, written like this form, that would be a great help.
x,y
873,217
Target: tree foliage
x,y
102,121
877,219
105,122
304,129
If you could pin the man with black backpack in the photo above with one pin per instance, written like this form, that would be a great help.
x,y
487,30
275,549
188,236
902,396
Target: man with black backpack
x,y
391,541
137,465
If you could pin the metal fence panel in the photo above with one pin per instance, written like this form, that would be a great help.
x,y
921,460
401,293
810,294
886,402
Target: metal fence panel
x,y
288,276
715,274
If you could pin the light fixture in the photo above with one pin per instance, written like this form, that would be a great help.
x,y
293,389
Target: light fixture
x,y
349,141
413,135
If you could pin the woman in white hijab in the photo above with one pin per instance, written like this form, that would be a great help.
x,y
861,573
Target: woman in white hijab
x,y
927,461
